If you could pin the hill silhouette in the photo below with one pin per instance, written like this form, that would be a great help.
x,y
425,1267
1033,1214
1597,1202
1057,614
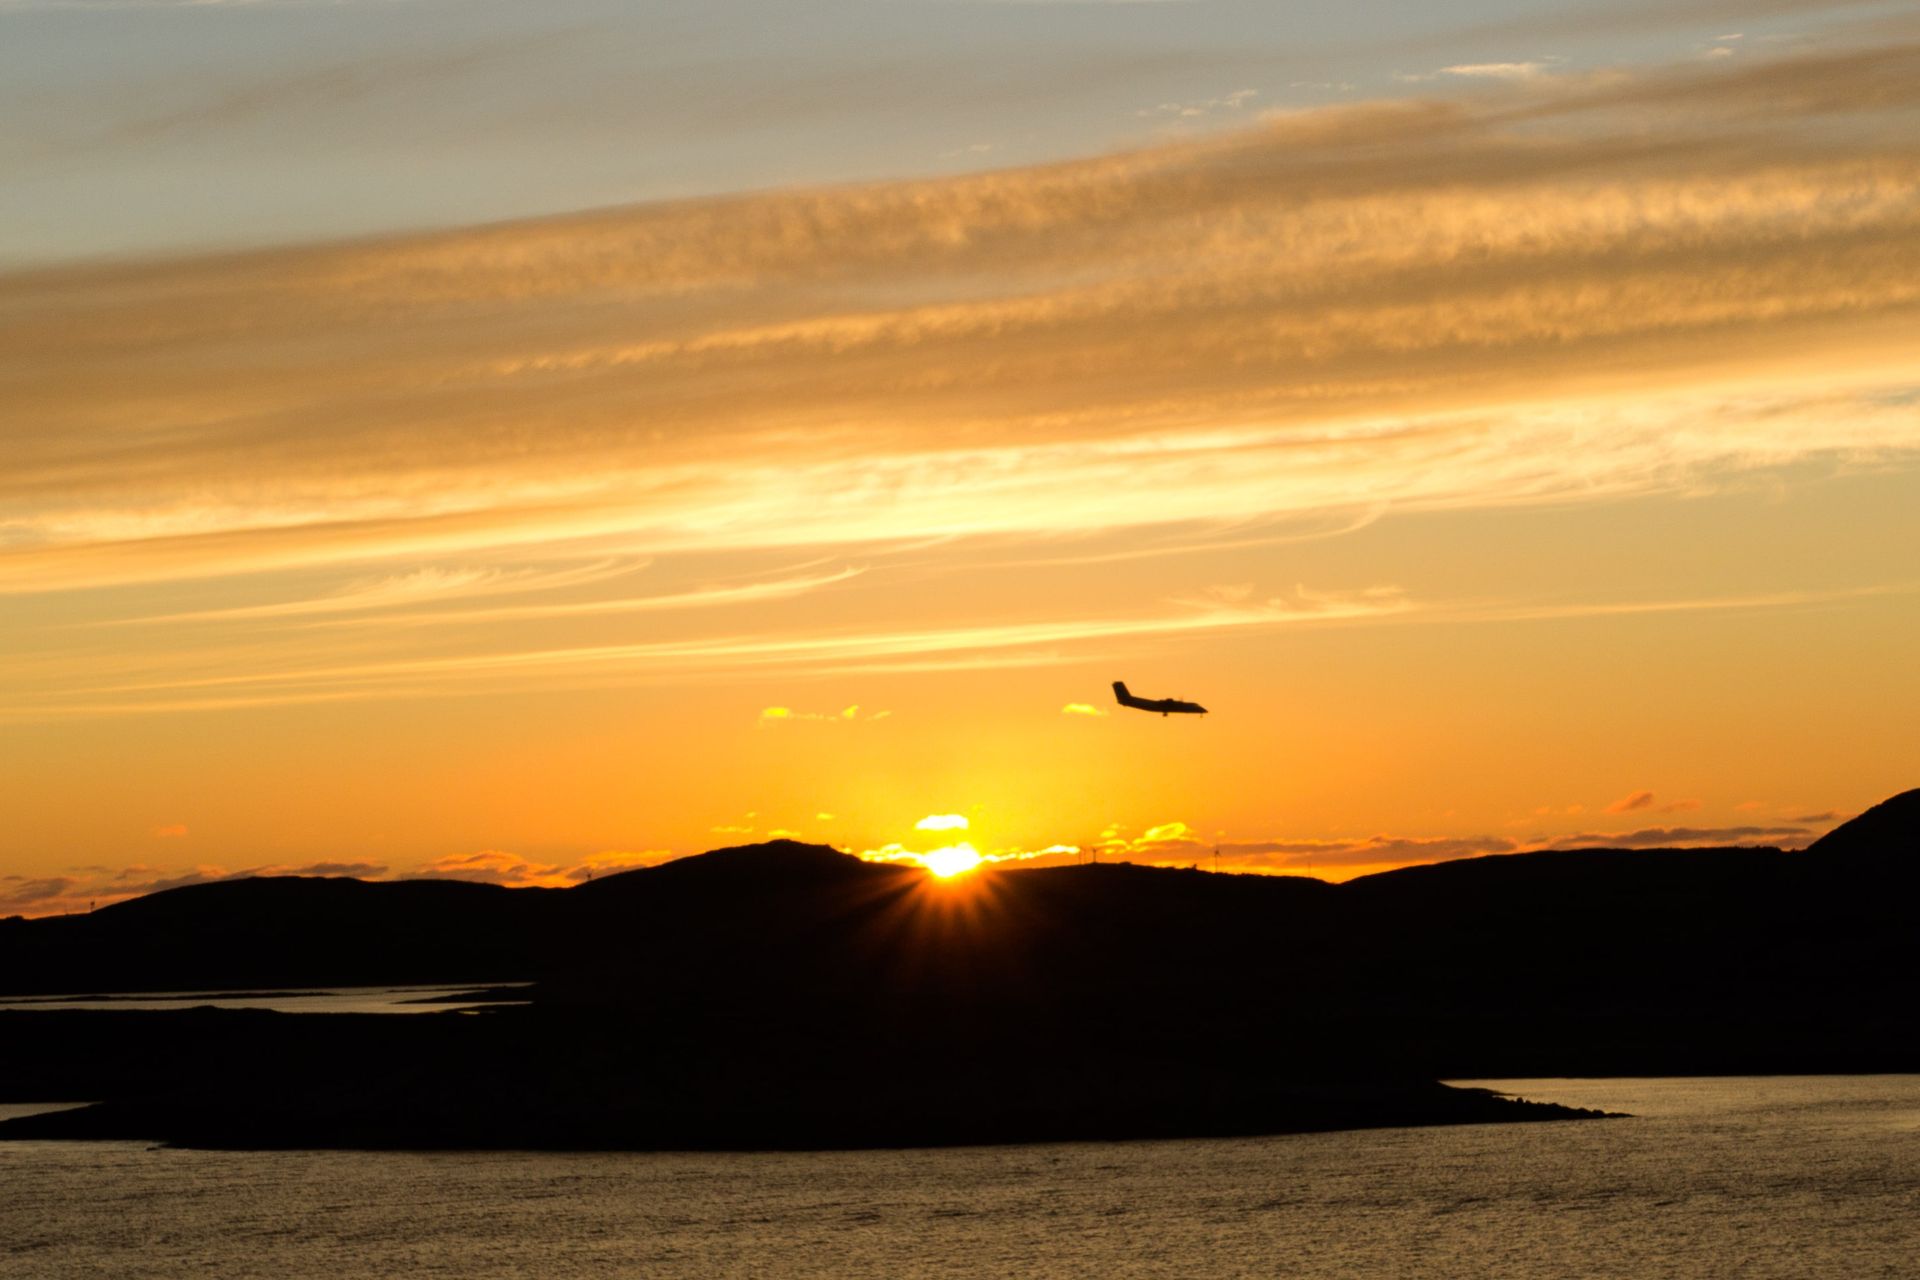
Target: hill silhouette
x,y
279,931
787,994
1887,834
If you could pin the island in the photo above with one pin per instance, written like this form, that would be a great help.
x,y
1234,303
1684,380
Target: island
x,y
786,995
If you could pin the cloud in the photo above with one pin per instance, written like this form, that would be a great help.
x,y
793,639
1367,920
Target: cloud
x,y
613,861
1082,709
126,885
840,651
356,870
1628,803
1677,837
1498,70
492,866
711,596
23,895
428,584
945,859
159,113
1440,241
1179,844
1235,101
846,715
1513,71
1580,289
1646,15
86,888
942,822
1372,851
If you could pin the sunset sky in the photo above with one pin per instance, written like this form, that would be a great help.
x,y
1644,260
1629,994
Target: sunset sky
x,y
506,440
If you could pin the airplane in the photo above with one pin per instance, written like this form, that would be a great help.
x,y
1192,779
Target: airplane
x,y
1165,706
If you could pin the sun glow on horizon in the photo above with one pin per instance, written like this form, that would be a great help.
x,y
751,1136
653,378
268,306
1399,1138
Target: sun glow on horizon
x,y
952,860
523,551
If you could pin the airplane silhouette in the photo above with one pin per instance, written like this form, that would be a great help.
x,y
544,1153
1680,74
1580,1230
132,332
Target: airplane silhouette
x,y
1165,706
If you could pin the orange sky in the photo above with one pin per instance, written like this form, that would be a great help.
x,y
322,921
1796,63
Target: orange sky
x,y
1521,465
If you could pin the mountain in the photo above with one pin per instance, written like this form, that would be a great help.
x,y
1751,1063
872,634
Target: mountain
x,y
1887,836
787,994
281,931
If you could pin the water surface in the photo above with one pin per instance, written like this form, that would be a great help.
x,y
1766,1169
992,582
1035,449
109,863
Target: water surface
x,y
415,999
1772,1177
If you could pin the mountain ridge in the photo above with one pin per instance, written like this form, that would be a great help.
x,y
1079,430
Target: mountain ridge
x,y
786,994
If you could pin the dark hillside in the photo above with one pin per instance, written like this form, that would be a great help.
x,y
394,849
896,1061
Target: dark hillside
x,y
787,994
281,931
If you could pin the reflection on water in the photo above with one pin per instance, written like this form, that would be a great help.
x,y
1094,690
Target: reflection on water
x,y
430,999
1753,1178
14,1110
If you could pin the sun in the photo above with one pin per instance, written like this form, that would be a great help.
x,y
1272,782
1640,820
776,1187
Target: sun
x,y
953,860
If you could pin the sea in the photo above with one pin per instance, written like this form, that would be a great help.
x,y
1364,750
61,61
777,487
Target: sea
x,y
1749,1177
409,999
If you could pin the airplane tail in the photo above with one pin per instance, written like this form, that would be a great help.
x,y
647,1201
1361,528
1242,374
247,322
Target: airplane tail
x,y
1120,693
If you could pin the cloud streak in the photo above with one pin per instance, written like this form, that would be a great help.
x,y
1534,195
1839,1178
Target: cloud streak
x,y
1355,263
1557,290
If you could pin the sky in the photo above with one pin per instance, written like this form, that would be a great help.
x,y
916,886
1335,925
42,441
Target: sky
x,y
522,442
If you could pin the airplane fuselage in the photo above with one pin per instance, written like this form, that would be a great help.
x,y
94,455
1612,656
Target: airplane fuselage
x,y
1165,706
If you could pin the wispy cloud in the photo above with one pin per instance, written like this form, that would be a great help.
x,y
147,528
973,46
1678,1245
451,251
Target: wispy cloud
x,y
1646,800
882,649
1514,71
705,597
87,888
430,584
1440,262
1682,837
1568,290
846,715
498,866
1238,100
1651,15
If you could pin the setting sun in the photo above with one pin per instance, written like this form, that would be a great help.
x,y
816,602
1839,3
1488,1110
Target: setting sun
x,y
520,534
953,860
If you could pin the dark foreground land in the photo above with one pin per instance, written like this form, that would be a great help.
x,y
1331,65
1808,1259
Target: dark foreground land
x,y
785,995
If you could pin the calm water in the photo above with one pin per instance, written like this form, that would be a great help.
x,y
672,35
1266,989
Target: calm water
x,y
1804,1177
327,1000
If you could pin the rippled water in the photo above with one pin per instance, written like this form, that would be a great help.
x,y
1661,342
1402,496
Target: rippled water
x,y
326,1000
1787,1177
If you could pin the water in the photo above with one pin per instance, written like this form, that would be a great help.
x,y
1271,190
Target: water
x,y
1779,1177
326,1000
